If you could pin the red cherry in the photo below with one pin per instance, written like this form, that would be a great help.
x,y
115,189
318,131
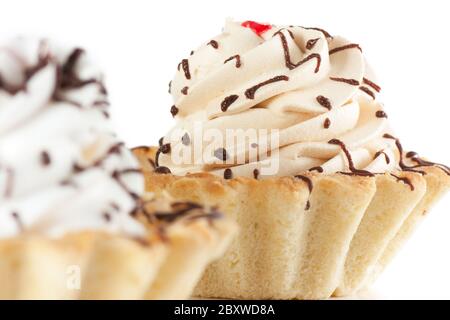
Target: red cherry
x,y
258,28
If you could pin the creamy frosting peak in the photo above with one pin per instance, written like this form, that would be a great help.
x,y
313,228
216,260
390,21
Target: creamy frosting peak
x,y
62,168
308,85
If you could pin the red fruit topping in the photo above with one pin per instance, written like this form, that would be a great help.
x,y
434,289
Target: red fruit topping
x,y
258,28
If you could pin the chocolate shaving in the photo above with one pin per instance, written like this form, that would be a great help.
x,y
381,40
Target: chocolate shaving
x,y
152,163
318,169
404,180
117,174
256,174
228,101
9,182
162,170
371,84
45,158
386,157
348,46
250,92
287,56
185,65
228,174
402,165
170,86
106,217
214,44
185,90
311,43
324,102
351,165
326,123
381,114
165,148
412,154
238,60
325,33
423,163
351,82
19,222
367,91
173,111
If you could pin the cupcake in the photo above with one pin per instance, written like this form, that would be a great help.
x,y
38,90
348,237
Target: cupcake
x,y
282,130
71,194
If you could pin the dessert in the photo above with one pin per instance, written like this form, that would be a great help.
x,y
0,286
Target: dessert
x,y
71,193
281,128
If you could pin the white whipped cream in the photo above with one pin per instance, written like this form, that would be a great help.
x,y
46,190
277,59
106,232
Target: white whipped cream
x,y
62,169
310,86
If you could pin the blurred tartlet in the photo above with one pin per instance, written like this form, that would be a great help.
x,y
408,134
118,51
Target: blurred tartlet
x,y
344,195
71,192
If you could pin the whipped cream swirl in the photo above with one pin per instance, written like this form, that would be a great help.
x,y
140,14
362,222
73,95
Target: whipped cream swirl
x,y
62,169
315,89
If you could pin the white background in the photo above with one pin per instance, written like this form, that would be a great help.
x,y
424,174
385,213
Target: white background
x,y
139,44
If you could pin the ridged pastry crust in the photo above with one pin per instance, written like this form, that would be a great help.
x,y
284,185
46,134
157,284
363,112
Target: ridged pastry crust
x,y
95,265
297,244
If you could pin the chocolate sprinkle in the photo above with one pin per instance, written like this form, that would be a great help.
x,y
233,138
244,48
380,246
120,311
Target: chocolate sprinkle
x,y
173,111
162,170
185,139
412,154
325,33
351,82
311,43
185,90
367,91
9,182
228,174
238,60
250,92
374,86
117,174
402,165
19,222
165,148
185,65
351,165
404,180
107,217
214,44
414,157
45,158
324,102
221,154
386,157
381,114
326,123
318,169
348,46
287,56
228,101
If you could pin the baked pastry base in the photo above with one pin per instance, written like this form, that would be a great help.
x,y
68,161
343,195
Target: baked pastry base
x,y
353,228
96,265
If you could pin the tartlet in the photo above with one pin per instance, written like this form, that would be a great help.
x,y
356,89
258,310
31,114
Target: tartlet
x,y
351,231
322,191
72,194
